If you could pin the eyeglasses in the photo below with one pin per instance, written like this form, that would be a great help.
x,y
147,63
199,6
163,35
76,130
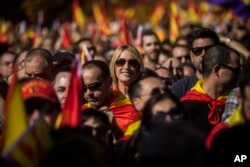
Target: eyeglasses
x,y
175,113
197,51
235,70
93,86
131,62
167,81
101,130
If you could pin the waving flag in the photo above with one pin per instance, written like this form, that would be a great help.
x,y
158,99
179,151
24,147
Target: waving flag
x,y
100,18
15,115
126,36
77,13
174,27
85,55
70,115
192,12
158,13
31,145
66,40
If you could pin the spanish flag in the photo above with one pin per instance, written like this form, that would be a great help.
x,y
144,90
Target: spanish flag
x,y
31,146
71,112
174,27
14,115
100,18
77,14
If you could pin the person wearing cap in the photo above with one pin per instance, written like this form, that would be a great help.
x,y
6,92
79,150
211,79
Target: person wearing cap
x,y
40,98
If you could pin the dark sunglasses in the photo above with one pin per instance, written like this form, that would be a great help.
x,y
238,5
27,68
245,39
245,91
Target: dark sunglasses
x,y
197,51
101,130
235,70
131,62
167,81
175,113
93,86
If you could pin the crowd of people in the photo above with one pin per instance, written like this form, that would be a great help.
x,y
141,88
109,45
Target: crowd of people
x,y
159,103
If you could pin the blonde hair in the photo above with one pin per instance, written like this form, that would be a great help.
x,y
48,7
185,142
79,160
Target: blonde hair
x,y
118,51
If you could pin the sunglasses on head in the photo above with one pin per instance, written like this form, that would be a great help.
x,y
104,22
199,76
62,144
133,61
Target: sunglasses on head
x,y
167,81
235,70
197,51
131,62
101,130
93,86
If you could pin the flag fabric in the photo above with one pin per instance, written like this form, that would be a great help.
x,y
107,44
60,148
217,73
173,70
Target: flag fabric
x,y
15,119
3,31
100,18
126,36
85,55
66,40
158,13
77,13
31,145
71,112
193,12
122,108
174,27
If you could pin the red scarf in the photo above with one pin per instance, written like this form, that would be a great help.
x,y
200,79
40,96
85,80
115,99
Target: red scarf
x,y
216,105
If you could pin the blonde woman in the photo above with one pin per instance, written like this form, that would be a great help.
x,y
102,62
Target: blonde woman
x,y
125,64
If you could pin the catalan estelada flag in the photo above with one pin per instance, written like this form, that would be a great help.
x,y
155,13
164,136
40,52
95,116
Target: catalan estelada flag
x,y
71,112
77,13
15,119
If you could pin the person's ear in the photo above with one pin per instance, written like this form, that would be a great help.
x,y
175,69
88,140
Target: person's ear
x,y
216,69
137,104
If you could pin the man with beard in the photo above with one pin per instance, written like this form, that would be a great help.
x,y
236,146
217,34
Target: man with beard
x,y
200,41
150,44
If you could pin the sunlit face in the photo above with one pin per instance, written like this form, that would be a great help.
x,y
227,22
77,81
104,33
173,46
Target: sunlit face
x,y
98,95
197,58
151,47
35,67
61,86
181,53
126,73
147,85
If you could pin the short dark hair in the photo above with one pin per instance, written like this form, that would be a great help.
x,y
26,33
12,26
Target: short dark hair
x,y
218,54
135,86
202,33
44,53
148,32
104,68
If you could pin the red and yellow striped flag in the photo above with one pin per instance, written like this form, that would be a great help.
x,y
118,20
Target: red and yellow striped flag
x,y
14,114
31,146
158,13
174,27
193,14
77,13
100,18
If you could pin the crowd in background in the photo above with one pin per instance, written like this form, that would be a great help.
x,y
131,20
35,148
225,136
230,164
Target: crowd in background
x,y
125,92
